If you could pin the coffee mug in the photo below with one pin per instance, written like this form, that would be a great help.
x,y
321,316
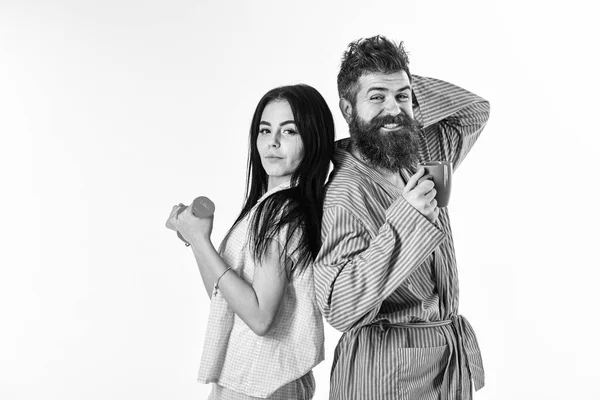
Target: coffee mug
x,y
441,171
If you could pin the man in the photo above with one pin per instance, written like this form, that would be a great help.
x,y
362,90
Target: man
x,y
386,274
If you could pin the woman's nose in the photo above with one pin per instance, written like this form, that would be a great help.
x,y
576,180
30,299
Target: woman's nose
x,y
274,141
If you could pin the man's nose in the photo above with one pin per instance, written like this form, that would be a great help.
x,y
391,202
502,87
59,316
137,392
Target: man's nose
x,y
392,107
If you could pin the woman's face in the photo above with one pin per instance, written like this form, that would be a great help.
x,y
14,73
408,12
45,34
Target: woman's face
x,y
279,144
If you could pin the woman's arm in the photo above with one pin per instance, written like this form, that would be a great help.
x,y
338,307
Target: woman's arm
x,y
208,277
256,304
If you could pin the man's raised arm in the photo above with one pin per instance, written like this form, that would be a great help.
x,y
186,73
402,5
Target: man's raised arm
x,y
452,118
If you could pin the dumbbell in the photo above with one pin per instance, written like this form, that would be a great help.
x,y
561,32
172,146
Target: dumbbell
x,y
202,207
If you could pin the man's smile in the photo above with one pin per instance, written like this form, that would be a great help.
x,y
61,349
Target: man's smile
x,y
390,127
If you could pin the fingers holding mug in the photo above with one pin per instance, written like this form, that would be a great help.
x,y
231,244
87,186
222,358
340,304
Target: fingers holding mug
x,y
441,175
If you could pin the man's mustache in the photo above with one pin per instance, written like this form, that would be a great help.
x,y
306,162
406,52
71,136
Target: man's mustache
x,y
400,119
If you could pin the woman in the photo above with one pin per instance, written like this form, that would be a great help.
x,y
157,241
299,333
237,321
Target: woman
x,y
265,332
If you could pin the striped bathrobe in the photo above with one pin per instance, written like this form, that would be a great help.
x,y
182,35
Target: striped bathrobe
x,y
387,277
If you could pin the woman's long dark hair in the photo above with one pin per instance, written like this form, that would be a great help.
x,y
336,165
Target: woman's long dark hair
x,y
300,207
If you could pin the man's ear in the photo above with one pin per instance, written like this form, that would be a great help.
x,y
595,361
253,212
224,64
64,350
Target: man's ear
x,y
346,109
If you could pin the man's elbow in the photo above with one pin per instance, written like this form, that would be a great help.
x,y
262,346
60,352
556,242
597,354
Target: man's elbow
x,y
343,328
485,105
335,322
331,318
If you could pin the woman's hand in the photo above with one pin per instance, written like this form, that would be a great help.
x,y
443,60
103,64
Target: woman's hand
x,y
172,220
192,228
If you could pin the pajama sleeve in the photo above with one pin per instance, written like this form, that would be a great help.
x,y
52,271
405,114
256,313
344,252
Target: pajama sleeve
x,y
452,119
355,271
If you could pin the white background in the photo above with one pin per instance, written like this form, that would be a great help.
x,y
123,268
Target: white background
x,y
113,111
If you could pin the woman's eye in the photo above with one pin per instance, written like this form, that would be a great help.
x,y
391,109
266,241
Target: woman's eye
x,y
290,131
264,131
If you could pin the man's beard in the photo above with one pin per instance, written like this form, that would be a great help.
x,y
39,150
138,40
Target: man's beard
x,y
388,150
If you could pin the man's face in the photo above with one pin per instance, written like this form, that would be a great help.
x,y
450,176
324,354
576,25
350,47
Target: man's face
x,y
381,123
383,94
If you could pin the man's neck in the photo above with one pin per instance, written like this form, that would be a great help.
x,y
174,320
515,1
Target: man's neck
x,y
393,177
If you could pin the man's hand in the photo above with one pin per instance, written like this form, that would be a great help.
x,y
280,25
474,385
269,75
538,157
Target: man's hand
x,y
420,194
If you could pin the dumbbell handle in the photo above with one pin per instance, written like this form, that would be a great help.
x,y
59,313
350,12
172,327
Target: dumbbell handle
x,y
202,207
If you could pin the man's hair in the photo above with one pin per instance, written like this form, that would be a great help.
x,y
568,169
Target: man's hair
x,y
374,54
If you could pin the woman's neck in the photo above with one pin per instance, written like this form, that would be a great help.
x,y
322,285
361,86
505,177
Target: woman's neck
x,y
273,182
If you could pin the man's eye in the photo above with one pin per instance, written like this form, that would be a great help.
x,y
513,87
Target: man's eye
x,y
403,97
377,98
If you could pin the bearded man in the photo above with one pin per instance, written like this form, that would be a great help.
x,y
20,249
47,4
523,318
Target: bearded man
x,y
386,274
